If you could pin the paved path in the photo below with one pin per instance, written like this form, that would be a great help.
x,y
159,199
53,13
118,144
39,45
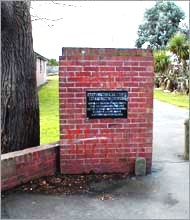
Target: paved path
x,y
162,195
168,140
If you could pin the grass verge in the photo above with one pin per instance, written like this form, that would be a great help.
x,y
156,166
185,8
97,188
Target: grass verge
x,y
175,99
49,111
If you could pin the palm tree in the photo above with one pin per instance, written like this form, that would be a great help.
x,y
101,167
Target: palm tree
x,y
161,67
179,46
161,61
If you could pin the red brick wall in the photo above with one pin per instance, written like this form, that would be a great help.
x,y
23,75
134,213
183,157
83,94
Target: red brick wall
x,y
22,166
105,145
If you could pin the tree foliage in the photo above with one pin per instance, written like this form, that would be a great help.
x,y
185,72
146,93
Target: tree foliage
x,y
184,29
52,62
159,24
180,47
161,61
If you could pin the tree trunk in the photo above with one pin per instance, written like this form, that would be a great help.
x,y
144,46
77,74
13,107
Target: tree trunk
x,y
19,99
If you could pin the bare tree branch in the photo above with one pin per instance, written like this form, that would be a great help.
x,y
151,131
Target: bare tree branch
x,y
64,5
47,19
42,19
35,17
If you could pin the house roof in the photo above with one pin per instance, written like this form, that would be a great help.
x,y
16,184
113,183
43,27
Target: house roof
x,y
40,56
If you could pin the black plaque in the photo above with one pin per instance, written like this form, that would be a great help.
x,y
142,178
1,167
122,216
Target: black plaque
x,y
106,104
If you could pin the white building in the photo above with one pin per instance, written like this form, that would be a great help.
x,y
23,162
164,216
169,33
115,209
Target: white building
x,y
41,69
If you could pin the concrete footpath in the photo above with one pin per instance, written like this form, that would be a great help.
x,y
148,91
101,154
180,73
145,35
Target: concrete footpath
x,y
164,194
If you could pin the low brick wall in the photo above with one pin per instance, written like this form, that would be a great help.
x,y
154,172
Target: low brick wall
x,y
22,166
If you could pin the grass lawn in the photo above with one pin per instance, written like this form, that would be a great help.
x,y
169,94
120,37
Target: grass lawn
x,y
49,111
175,99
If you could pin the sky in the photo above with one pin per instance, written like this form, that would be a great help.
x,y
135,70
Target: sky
x,y
101,24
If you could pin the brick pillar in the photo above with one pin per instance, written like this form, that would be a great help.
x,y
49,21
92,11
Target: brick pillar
x,y
105,144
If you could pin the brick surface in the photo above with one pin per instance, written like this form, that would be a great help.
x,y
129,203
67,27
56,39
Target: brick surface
x,y
105,145
22,166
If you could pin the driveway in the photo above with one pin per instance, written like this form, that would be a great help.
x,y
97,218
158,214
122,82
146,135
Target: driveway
x,y
164,194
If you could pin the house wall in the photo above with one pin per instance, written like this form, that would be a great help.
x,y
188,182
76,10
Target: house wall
x,y
105,145
41,75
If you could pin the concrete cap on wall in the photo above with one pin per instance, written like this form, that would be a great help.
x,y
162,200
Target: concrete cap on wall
x,y
84,51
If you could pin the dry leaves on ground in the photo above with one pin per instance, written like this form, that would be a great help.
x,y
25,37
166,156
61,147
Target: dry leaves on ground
x,y
68,184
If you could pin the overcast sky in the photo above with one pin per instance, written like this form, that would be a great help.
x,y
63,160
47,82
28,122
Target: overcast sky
x,y
88,24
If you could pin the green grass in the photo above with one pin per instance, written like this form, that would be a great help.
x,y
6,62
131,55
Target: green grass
x,y
175,99
49,111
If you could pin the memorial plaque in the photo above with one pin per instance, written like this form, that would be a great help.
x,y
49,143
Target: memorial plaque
x,y
106,104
